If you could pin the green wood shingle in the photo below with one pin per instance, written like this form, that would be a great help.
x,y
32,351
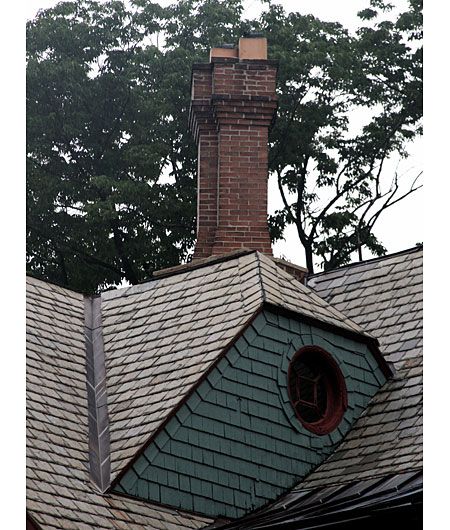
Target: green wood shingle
x,y
236,443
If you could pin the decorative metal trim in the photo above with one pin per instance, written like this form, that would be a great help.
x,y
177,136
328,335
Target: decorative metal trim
x,y
99,444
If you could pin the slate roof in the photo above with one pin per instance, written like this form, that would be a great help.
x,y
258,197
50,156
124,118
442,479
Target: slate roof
x,y
59,491
162,336
385,297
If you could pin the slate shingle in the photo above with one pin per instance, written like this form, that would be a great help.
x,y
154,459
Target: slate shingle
x,y
395,413
60,493
160,339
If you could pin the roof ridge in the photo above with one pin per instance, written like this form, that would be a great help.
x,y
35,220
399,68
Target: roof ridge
x,y
197,264
260,275
315,299
411,250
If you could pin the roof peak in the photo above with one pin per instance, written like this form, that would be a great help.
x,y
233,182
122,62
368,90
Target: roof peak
x,y
199,263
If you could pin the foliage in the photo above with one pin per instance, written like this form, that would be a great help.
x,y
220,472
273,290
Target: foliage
x,y
330,177
110,163
111,167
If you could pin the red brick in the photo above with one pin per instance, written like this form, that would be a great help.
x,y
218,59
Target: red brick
x,y
232,168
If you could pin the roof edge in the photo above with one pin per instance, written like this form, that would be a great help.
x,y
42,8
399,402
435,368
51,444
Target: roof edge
x,y
30,274
378,475
185,398
31,522
410,250
371,342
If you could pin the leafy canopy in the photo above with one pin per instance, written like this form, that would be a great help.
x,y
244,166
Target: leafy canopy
x,y
330,176
110,163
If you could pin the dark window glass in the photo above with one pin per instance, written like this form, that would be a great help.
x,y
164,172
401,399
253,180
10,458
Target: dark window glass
x,y
316,389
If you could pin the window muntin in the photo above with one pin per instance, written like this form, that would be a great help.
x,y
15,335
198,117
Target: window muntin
x,y
317,389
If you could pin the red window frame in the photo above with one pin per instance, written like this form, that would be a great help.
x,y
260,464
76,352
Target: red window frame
x,y
336,391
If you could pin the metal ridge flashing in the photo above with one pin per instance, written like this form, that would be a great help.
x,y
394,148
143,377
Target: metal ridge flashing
x,y
99,444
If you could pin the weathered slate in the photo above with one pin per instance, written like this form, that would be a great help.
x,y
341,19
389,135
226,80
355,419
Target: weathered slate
x,y
160,337
60,493
388,438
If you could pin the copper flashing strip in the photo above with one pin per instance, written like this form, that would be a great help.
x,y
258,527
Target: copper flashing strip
x,y
99,445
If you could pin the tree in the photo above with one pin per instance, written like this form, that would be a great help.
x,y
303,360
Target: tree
x,y
111,165
100,134
330,179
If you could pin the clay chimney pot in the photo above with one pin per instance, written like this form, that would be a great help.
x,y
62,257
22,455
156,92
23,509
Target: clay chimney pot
x,y
223,51
253,48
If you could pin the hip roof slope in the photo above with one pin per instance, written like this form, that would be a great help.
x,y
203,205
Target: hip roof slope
x,y
385,296
60,493
162,336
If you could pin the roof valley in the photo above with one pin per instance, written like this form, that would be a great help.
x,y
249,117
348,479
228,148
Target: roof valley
x,y
99,442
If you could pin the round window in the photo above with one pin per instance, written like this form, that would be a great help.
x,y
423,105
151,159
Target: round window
x,y
317,389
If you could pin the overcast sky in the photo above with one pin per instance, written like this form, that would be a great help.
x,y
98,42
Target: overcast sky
x,y
401,226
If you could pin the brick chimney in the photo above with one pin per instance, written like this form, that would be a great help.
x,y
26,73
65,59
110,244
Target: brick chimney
x,y
233,105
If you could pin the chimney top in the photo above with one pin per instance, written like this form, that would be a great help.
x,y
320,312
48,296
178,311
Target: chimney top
x,y
253,46
233,104
253,34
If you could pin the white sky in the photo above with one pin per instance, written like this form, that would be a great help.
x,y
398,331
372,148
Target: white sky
x,y
398,228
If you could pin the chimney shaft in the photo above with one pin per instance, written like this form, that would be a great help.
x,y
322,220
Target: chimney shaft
x,y
232,108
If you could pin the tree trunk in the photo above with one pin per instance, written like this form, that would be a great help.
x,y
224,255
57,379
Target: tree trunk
x,y
309,258
62,267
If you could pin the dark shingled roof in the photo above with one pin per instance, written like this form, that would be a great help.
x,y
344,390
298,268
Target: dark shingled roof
x,y
392,501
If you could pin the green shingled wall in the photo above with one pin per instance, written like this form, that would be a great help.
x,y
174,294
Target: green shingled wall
x,y
236,443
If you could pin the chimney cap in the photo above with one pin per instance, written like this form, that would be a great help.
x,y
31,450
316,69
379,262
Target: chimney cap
x,y
253,35
223,50
253,48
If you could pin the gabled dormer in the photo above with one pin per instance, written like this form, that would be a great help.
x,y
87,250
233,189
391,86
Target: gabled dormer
x,y
227,380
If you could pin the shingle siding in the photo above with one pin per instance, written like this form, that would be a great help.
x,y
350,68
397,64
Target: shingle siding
x,y
236,443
